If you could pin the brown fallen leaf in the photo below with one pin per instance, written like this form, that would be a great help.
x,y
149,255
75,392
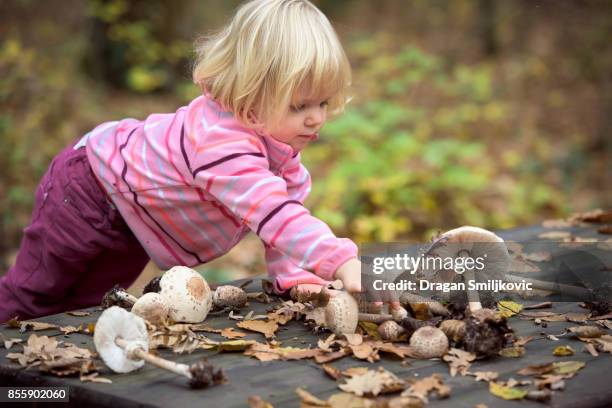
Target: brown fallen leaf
x,y
309,399
71,329
422,388
231,333
373,383
28,325
79,313
484,375
255,401
591,349
267,328
557,224
351,371
458,360
595,216
365,351
331,371
521,341
543,305
537,369
605,343
94,377
328,357
556,235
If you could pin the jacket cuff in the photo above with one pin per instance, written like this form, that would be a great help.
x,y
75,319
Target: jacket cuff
x,y
344,252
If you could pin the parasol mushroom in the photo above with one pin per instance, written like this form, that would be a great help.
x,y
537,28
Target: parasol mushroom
x,y
473,242
188,295
429,342
152,307
227,295
121,339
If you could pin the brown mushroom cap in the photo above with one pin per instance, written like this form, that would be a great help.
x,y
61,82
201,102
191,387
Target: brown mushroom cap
x,y
429,342
342,314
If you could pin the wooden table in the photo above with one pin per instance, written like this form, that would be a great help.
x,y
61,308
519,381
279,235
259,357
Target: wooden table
x,y
276,381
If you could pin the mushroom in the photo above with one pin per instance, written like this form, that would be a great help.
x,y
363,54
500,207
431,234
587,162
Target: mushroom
x,y
454,330
485,332
473,242
228,295
342,314
429,342
121,339
187,293
390,330
118,296
152,307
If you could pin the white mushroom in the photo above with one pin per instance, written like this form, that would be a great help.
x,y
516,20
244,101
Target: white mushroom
x,y
152,307
188,295
429,342
121,339
474,243
117,322
228,295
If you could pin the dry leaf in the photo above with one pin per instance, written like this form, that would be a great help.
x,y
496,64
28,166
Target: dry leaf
x,y
558,235
557,224
365,351
540,256
521,341
542,305
371,329
605,343
255,401
328,357
537,370
28,325
351,371
587,332
567,367
70,329
485,375
373,382
332,371
95,378
354,339
591,349
505,392
422,388
78,313
563,351
508,308
595,216
458,360
267,328
231,333
309,399
345,400
512,352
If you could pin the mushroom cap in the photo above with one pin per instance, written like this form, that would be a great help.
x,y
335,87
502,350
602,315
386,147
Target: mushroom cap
x,y
478,242
152,307
342,314
117,322
399,313
390,330
187,293
228,295
429,342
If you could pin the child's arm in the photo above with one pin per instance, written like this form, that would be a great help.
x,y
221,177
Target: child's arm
x,y
236,174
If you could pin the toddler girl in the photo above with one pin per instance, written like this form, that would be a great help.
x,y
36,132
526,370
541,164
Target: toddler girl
x,y
183,188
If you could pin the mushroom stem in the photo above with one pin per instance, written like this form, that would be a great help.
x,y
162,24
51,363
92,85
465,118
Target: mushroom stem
x,y
139,354
472,295
575,291
118,296
379,318
470,275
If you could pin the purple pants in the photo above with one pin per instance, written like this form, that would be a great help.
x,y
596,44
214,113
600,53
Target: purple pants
x,y
75,249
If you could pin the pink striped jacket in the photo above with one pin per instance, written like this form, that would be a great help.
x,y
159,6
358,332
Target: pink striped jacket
x,y
193,183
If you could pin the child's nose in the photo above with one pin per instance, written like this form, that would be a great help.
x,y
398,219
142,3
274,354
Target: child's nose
x,y
315,117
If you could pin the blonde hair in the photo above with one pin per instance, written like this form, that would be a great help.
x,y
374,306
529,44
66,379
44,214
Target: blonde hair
x,y
271,50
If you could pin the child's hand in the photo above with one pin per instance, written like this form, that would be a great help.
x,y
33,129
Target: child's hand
x,y
350,275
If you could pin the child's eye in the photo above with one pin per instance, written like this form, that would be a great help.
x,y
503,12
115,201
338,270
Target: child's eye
x,y
324,103
297,108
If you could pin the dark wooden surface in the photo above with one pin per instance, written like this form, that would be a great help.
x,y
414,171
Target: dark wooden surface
x,y
276,381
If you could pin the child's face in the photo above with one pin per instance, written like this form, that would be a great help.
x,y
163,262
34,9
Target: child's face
x,y
301,123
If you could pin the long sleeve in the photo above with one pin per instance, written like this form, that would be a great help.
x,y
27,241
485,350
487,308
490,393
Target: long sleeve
x,y
237,174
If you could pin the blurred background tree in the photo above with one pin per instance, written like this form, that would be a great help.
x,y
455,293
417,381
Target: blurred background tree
x,y
465,112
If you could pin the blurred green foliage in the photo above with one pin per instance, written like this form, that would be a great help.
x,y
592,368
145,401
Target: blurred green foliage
x,y
439,134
